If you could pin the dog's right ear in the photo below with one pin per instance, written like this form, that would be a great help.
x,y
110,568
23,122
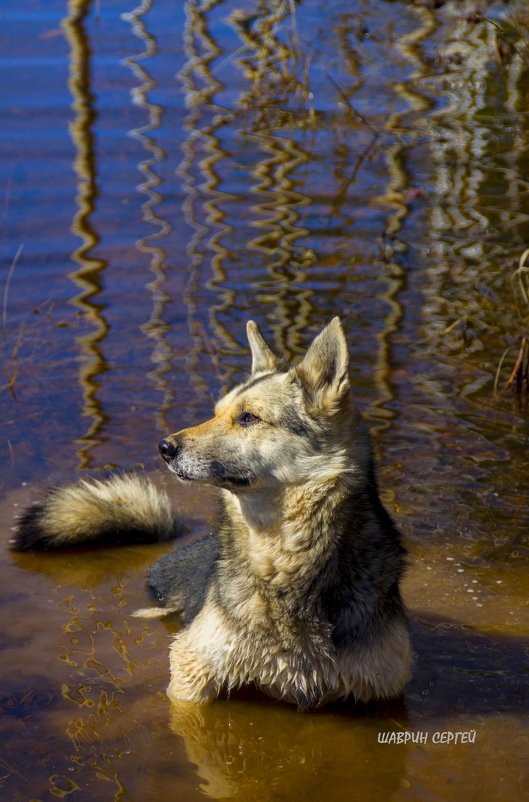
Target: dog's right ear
x,y
324,370
263,359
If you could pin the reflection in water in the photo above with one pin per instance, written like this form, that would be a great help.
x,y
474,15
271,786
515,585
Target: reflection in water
x,y
88,276
371,161
274,66
108,721
478,167
267,66
459,153
244,750
203,207
279,110
399,143
155,328
287,290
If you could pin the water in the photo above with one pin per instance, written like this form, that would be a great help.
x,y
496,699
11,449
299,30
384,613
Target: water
x,y
170,170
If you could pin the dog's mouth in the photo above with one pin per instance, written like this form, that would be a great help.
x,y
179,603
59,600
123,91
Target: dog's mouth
x,y
217,478
221,475
236,481
182,475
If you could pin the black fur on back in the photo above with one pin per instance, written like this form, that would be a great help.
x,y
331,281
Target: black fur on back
x,y
182,577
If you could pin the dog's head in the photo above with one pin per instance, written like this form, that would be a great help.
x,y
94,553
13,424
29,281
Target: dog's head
x,y
281,426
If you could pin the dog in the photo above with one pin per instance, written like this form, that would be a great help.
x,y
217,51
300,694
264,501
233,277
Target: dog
x,y
297,591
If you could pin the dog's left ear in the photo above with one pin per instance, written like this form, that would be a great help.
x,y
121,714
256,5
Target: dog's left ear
x,y
324,370
263,359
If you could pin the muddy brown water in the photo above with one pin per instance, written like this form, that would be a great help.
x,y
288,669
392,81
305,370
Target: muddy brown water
x,y
170,170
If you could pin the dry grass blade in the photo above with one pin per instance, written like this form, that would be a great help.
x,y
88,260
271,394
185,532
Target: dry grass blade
x,y
6,291
350,106
502,36
517,371
498,371
295,35
519,273
518,381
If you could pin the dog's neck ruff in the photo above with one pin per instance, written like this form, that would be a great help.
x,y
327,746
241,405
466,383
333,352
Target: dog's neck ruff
x,y
286,532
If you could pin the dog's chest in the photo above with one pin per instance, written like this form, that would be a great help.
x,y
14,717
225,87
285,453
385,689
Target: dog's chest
x,y
273,555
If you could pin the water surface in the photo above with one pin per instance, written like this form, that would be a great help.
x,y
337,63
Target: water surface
x,y
169,170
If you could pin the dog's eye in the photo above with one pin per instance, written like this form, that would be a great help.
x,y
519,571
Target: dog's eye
x,y
247,418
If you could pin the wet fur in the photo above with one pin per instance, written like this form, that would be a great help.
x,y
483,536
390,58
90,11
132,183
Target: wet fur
x,y
123,509
298,589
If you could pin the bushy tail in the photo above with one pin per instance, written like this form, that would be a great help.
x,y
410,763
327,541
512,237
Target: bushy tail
x,y
117,510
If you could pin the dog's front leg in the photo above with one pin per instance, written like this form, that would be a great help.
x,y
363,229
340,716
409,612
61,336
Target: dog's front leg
x,y
198,658
192,675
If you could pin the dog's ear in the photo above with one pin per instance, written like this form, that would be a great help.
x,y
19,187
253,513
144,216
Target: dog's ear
x,y
324,370
263,360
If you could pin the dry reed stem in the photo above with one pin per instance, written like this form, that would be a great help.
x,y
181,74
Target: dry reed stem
x,y
6,291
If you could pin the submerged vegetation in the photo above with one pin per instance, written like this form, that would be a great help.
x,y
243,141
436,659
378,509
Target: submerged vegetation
x,y
518,379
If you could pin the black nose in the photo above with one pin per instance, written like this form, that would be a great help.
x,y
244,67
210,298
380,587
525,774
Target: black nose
x,y
167,450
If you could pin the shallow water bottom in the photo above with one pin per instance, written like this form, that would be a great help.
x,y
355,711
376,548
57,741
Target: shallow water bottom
x,y
95,723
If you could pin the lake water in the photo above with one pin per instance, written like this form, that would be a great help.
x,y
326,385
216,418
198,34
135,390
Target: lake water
x,y
169,170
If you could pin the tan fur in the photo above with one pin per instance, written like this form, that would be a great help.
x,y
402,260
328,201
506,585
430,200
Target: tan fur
x,y
212,655
285,480
298,591
89,507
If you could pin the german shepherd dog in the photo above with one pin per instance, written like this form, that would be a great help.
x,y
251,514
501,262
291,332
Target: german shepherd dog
x,y
297,592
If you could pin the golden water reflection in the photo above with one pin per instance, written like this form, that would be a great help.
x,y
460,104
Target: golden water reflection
x,y
369,161
97,693
156,327
88,275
